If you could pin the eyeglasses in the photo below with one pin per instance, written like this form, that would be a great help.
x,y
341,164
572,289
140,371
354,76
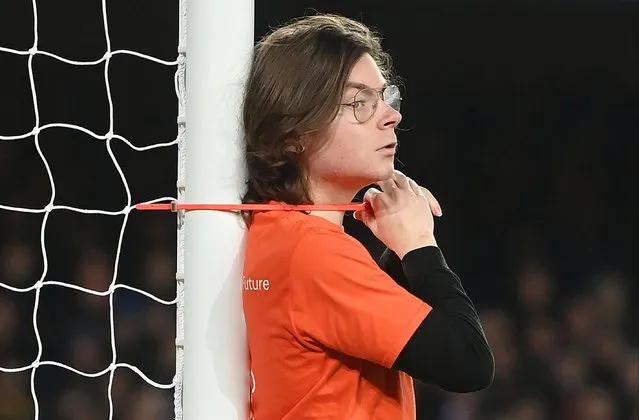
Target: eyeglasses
x,y
365,101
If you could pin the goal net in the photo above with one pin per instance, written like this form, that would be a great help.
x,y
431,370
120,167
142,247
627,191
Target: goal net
x,y
100,317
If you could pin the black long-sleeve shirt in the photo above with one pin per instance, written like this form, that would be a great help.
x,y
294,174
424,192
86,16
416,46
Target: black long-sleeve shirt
x,y
449,349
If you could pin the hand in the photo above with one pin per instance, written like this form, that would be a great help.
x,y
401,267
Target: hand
x,y
401,214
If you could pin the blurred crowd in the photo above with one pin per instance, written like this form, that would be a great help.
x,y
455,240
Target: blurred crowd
x,y
570,360
75,330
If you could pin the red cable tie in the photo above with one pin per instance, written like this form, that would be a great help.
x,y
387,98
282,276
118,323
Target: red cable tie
x,y
175,206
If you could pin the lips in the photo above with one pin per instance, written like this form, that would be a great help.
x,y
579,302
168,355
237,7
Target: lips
x,y
390,146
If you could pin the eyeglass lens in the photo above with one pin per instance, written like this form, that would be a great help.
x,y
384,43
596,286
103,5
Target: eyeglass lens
x,y
367,101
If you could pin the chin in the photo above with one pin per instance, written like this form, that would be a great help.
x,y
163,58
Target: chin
x,y
386,173
370,176
380,175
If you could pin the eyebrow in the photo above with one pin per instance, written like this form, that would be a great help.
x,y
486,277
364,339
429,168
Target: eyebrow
x,y
358,85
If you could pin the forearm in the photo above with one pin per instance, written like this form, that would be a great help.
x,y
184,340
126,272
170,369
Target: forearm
x,y
449,348
425,274
429,278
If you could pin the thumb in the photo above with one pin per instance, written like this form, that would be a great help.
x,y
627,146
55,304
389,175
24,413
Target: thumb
x,y
371,197
360,214
365,216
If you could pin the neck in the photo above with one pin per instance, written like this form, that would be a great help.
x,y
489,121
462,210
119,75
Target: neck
x,y
324,192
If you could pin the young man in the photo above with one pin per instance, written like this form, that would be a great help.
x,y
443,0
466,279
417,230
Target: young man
x,y
331,334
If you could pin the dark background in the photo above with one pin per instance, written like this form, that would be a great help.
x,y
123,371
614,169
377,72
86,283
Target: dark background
x,y
523,120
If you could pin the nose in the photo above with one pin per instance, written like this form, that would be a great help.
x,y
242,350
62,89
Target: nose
x,y
390,117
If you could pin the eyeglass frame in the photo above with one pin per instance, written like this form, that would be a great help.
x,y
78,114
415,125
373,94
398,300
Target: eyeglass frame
x,y
380,94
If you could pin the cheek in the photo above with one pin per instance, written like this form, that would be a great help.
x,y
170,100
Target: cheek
x,y
345,150
331,161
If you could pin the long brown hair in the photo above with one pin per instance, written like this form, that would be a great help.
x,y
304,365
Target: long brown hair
x,y
297,77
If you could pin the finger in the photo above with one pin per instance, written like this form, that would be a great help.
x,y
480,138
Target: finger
x,y
401,180
365,216
375,198
370,194
432,201
415,187
387,185
359,214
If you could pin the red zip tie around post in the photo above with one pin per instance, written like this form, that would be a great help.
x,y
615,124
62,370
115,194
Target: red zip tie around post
x,y
175,206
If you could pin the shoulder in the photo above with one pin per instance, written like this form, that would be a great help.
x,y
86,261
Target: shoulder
x,y
318,243
308,240
321,255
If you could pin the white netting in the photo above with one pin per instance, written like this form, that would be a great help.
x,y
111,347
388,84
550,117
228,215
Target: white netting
x,y
108,138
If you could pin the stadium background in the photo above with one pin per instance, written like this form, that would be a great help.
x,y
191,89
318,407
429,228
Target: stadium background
x,y
523,120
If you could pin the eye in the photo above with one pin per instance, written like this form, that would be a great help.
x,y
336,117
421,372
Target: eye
x,y
357,104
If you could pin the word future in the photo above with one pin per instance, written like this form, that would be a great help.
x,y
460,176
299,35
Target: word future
x,y
254,284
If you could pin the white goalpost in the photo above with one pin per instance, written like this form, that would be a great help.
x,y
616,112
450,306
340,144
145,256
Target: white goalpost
x,y
219,46
214,49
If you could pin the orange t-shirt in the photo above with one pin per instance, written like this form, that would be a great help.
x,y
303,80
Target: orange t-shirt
x,y
325,324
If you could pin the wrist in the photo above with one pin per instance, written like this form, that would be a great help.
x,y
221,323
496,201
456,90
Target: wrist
x,y
428,241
